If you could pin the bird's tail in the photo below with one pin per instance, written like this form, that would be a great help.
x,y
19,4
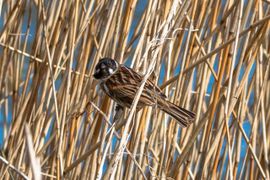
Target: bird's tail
x,y
184,117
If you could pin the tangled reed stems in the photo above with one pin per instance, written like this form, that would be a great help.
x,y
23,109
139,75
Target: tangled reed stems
x,y
211,57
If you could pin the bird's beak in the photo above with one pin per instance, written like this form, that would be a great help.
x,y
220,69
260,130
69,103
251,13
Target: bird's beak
x,y
95,75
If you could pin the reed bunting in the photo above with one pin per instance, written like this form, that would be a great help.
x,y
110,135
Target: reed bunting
x,y
121,84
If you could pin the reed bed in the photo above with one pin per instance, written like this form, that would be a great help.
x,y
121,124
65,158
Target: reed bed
x,y
211,57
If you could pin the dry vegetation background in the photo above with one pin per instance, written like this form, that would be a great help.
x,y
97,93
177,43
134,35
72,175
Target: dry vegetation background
x,y
211,57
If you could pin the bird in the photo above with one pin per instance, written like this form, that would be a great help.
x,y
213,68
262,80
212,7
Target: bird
x,y
121,84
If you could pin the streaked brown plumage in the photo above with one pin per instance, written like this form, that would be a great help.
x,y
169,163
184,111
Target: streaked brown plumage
x,y
122,83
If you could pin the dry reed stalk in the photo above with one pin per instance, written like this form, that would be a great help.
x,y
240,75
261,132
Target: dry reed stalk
x,y
211,57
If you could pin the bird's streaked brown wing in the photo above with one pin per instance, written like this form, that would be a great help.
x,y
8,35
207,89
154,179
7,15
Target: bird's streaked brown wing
x,y
149,85
124,84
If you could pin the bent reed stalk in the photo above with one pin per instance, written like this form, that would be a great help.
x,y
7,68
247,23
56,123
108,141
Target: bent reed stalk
x,y
211,57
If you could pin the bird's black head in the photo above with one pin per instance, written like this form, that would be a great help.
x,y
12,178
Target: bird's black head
x,y
105,68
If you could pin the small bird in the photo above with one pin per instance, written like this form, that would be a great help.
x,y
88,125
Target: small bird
x,y
122,83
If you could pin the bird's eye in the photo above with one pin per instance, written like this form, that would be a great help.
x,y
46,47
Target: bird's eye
x,y
103,66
